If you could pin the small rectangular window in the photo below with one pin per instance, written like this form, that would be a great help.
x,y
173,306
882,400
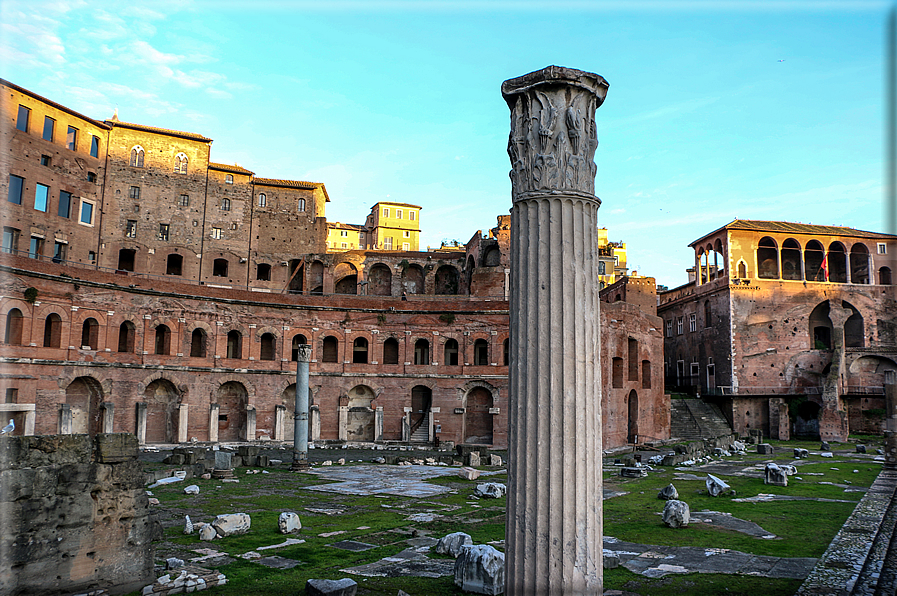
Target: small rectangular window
x,y
670,328
344,245
407,234
36,249
163,232
679,326
387,243
882,248
225,204
229,179
71,139
60,251
300,206
406,247
184,201
91,176
343,233
385,212
16,183
398,214
94,146
91,256
12,395
134,192
692,322
49,128
22,118
45,160
131,229
86,213
65,204
41,193
216,233
695,369
10,240
411,215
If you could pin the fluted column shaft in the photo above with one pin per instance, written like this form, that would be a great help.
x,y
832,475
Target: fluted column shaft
x,y
554,524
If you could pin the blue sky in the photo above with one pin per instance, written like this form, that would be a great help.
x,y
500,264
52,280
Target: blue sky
x,y
401,101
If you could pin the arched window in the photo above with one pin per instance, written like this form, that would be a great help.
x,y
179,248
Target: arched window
x,y
163,340
229,179
301,206
225,204
14,321
767,259
814,255
53,331
180,163
450,353
837,263
859,264
263,199
219,268
481,353
174,265
198,343
506,349
298,340
127,332
884,276
791,260
331,349
267,351
602,267
234,344
391,351
360,351
263,272
742,270
422,352
90,334
137,156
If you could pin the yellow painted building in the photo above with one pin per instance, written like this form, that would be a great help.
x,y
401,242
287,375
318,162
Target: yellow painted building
x,y
341,236
393,226
611,260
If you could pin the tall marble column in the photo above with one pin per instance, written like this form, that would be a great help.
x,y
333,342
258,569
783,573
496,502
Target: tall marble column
x,y
890,426
554,525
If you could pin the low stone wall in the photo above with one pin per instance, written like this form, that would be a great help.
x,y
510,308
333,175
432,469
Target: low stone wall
x,y
75,515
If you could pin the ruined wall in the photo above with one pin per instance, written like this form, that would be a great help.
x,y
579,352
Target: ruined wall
x,y
75,515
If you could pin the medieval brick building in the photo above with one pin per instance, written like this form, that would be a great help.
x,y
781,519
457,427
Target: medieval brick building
x,y
148,289
793,326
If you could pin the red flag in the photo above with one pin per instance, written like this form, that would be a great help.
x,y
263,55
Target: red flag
x,y
825,266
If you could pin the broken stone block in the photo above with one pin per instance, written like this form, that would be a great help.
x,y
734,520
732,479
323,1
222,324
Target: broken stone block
x,y
289,523
173,563
676,514
789,470
668,493
116,447
633,472
473,460
775,475
490,490
611,562
191,490
765,449
825,446
188,525
480,569
801,453
715,486
379,460
861,449
341,461
207,532
738,446
327,463
262,461
719,452
224,460
451,544
495,460
153,501
827,454
231,524
468,473
331,587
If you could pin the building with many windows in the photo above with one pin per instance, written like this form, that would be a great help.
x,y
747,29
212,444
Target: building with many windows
x,y
792,326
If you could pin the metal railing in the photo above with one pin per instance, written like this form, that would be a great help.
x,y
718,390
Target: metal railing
x,y
864,390
768,390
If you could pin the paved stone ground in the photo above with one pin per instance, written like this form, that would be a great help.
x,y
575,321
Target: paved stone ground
x,y
399,481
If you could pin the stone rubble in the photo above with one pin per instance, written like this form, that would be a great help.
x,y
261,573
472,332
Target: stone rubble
x,y
451,544
480,569
775,475
289,522
188,579
668,493
490,490
715,486
231,524
676,514
331,587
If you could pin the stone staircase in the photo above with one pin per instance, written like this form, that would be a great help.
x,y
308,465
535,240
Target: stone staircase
x,y
693,419
422,434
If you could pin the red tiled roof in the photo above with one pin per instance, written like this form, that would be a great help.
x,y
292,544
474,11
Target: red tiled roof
x,y
230,168
292,184
162,131
786,227
54,104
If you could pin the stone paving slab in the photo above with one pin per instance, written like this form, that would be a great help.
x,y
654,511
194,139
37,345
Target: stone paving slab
x,y
727,521
657,561
399,481
353,545
275,562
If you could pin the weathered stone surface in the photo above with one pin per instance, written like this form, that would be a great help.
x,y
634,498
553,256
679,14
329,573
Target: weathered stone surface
x,y
289,522
473,459
451,544
480,569
861,449
676,514
191,490
739,446
715,486
331,587
188,525
789,470
611,562
765,449
173,563
231,524
224,460
828,454
668,493
775,475
825,446
208,532
633,472
115,447
495,460
468,473
490,490
801,453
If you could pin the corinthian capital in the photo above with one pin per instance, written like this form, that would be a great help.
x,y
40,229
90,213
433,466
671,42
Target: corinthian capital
x,y
553,135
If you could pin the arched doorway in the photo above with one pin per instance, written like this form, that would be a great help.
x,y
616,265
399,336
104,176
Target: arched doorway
x,y
821,329
633,417
360,421
346,276
162,411
806,420
379,280
232,399
85,396
477,419
413,279
421,400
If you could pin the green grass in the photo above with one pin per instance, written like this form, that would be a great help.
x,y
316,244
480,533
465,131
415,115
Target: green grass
x,y
804,528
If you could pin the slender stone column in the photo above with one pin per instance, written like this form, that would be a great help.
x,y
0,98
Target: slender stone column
x,y
890,420
554,531
300,411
